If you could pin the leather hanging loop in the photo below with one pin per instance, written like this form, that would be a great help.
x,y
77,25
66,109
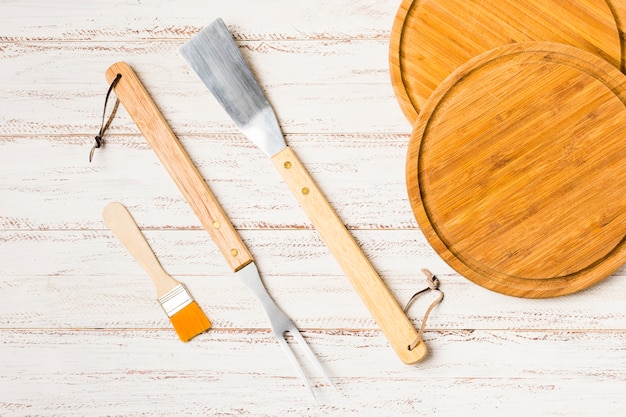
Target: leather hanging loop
x,y
433,285
104,126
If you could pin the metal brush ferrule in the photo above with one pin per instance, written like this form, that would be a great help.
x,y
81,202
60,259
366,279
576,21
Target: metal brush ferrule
x,y
175,300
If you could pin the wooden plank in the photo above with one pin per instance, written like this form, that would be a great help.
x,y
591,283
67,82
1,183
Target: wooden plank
x,y
159,64
120,20
315,86
87,280
361,175
341,352
148,372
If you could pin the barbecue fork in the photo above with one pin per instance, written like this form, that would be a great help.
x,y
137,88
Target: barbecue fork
x,y
169,150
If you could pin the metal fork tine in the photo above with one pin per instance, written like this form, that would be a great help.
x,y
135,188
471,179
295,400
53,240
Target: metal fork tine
x,y
281,324
294,361
310,355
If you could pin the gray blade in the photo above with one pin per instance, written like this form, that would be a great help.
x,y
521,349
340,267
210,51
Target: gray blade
x,y
214,56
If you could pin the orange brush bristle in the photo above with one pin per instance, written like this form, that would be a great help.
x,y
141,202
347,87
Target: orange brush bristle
x,y
190,322
184,313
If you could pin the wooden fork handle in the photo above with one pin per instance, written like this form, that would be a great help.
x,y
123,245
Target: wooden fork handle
x,y
375,294
155,129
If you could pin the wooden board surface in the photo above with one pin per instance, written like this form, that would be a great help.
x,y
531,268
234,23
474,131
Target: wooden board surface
x,y
516,169
431,38
80,331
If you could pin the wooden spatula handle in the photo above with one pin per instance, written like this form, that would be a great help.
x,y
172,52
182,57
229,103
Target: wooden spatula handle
x,y
155,129
375,294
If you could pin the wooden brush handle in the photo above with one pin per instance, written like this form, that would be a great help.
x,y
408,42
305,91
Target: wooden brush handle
x,y
378,299
166,145
123,226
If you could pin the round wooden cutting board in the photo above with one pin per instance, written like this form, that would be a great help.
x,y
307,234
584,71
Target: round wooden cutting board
x,y
431,38
516,169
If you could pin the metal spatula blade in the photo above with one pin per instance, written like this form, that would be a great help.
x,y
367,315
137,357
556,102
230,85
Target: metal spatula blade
x,y
214,56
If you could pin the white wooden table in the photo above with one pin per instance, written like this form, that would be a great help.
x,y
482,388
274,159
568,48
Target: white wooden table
x,y
80,331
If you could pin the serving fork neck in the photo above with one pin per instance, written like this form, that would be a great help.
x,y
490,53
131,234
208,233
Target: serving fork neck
x,y
281,324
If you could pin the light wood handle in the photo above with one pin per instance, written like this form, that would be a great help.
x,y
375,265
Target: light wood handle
x,y
378,299
123,226
168,148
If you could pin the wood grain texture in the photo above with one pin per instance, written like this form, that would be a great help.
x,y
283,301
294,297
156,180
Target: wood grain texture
x,y
80,331
155,129
121,222
526,193
371,194
354,263
163,19
71,279
431,38
577,371
309,94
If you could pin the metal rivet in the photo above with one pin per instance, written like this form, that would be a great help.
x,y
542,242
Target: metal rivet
x,y
234,252
287,165
305,191
216,224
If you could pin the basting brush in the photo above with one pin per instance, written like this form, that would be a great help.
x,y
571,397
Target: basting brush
x,y
184,313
